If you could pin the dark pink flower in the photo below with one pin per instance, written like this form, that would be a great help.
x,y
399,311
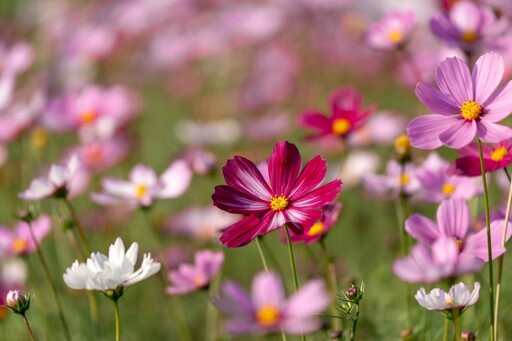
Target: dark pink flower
x,y
496,157
289,197
347,115
314,232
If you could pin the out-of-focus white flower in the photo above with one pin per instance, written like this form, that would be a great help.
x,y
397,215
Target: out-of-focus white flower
x,y
459,297
113,272
55,184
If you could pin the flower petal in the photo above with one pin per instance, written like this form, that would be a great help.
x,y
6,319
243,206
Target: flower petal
x,y
453,218
422,229
319,197
435,100
454,79
241,233
424,131
283,167
499,105
487,74
234,201
267,289
244,176
459,134
492,132
315,120
312,174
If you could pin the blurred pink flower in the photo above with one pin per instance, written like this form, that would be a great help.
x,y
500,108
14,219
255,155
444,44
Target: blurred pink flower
x,y
393,181
392,32
97,156
314,232
19,241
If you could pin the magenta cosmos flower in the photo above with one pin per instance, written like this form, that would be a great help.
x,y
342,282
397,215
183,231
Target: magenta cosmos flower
x,y
347,115
453,221
267,311
291,196
189,278
496,157
466,104
392,32
470,26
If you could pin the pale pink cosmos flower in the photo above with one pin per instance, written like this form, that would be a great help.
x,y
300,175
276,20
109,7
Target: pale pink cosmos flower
x,y
18,241
144,186
267,310
189,278
394,181
392,32
57,183
459,297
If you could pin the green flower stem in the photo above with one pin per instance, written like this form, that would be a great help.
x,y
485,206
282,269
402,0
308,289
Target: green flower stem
x,y
331,280
262,256
118,321
500,261
211,313
446,329
354,324
456,324
489,242
32,338
292,264
78,226
50,281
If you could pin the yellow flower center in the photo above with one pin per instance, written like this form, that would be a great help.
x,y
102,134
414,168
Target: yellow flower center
x,y
38,138
471,110
341,126
460,244
403,145
88,116
469,37
448,302
278,203
448,189
316,229
268,315
395,36
93,155
499,153
404,180
198,281
141,191
19,245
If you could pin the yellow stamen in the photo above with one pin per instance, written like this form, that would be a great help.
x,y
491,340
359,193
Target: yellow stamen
x,y
268,315
38,138
448,189
404,180
499,153
469,37
395,36
403,145
141,191
459,243
199,281
88,116
448,301
341,126
471,110
278,203
19,245
316,229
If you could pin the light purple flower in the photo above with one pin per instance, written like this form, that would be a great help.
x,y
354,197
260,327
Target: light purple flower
x,y
267,311
439,181
459,297
466,105
144,186
19,241
56,184
393,181
470,26
189,278
392,32
430,265
453,221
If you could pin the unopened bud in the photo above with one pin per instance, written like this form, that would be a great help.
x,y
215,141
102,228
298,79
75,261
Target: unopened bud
x,y
352,293
17,302
467,336
403,148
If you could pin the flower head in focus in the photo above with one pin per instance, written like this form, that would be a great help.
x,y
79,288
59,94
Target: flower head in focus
x,y
458,298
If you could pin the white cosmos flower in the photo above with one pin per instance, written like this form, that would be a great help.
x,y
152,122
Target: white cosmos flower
x,y
109,273
459,297
55,184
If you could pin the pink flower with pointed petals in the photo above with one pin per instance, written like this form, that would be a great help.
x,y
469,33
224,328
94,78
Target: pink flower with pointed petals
x,y
496,157
266,310
453,221
19,241
313,233
392,32
347,115
394,181
466,105
56,184
145,186
291,196
189,278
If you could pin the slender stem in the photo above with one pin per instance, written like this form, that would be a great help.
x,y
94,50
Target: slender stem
x,y
489,242
354,325
270,254
456,325
262,256
78,226
50,281
180,320
446,329
292,264
118,321
331,283
501,259
507,174
32,338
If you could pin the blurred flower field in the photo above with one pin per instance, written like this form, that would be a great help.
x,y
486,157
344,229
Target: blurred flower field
x,y
255,170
